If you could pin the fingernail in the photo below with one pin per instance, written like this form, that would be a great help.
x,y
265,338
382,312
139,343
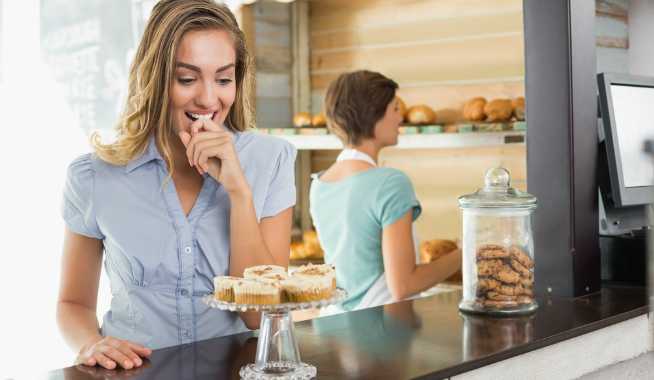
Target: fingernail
x,y
139,362
127,364
111,365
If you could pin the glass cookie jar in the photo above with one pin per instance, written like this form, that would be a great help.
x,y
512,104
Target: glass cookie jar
x,y
498,250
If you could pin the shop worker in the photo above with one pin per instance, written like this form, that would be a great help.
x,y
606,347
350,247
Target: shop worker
x,y
363,213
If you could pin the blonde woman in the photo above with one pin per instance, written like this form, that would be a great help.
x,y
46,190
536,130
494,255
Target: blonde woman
x,y
184,194
371,245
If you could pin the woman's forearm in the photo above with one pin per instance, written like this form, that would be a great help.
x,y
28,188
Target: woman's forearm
x,y
427,275
78,324
246,241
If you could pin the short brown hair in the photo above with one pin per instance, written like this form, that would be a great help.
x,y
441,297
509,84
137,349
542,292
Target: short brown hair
x,y
355,102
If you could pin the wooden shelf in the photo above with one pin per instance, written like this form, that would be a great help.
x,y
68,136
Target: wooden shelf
x,y
417,141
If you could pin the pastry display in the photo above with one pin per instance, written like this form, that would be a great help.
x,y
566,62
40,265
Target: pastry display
x,y
504,276
420,114
498,110
518,105
302,119
319,120
473,109
272,284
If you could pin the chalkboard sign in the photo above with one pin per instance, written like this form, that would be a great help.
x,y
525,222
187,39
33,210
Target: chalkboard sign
x,y
89,45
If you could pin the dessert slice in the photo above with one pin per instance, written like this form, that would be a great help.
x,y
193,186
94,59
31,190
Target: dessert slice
x,y
253,292
311,271
224,287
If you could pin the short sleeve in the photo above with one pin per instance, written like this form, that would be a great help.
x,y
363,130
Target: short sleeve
x,y
78,208
396,196
281,192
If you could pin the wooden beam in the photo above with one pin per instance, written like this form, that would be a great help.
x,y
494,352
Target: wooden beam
x,y
301,102
245,18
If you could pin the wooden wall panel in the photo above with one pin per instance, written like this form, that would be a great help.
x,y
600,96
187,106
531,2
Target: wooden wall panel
x,y
475,26
328,15
441,52
271,30
612,35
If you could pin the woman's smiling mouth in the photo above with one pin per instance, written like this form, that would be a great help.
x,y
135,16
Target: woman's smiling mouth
x,y
196,116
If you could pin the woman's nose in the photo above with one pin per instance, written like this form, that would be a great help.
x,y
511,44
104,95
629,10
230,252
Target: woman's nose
x,y
207,96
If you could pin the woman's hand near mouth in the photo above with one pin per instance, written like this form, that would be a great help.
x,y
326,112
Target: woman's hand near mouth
x,y
210,149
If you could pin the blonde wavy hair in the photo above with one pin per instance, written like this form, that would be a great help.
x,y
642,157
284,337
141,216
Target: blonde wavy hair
x,y
152,72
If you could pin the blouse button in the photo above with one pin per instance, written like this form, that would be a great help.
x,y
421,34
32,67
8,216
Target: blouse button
x,y
187,249
184,292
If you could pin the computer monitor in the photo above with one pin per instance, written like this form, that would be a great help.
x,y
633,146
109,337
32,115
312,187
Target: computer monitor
x,y
627,109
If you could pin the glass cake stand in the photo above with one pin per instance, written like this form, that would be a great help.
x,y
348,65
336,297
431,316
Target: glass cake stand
x,y
277,356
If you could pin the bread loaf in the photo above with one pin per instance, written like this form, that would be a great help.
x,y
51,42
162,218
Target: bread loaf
x,y
302,119
431,250
498,110
473,109
420,114
318,120
297,251
312,245
518,105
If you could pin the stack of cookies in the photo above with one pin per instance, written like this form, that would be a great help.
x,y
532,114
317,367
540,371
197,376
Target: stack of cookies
x,y
271,284
505,277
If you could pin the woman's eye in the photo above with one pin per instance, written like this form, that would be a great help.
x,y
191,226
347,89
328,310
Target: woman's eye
x,y
185,81
224,81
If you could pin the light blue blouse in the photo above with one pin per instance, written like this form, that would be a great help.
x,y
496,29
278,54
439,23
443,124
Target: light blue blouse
x,y
159,261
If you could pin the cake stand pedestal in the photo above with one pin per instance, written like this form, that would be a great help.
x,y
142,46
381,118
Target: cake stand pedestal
x,y
278,356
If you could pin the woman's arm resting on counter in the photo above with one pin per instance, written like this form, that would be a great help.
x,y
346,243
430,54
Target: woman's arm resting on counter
x,y
76,307
78,292
252,243
403,276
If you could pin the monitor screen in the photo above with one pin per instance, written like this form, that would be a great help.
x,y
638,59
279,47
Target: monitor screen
x,y
633,108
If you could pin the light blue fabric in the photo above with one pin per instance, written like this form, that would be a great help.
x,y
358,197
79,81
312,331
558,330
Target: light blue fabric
x,y
160,262
350,216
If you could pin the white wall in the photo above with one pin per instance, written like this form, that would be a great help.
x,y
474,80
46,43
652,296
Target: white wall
x,y
39,136
641,30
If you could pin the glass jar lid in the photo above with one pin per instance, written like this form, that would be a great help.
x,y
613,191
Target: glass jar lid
x,y
498,193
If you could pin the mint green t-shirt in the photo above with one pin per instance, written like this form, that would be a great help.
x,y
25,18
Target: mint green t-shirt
x,y
350,215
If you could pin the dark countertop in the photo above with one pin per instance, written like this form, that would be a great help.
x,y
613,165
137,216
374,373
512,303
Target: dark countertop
x,y
425,338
